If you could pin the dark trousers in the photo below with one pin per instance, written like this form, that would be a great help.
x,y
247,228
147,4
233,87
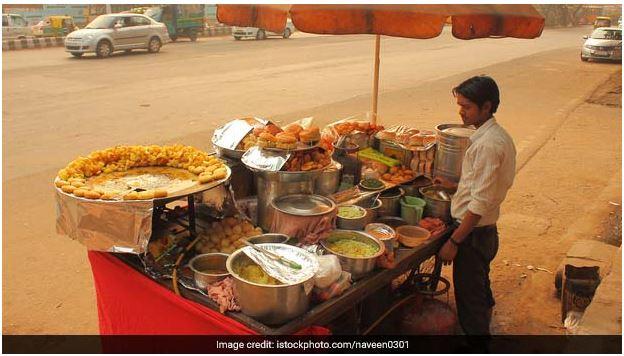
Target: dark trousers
x,y
471,280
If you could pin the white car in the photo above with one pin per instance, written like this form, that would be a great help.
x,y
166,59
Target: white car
x,y
15,27
605,43
260,34
117,32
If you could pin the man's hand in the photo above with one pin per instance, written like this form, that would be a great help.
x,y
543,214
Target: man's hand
x,y
445,183
447,253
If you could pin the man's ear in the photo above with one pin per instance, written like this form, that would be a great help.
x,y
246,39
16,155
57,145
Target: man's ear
x,y
487,107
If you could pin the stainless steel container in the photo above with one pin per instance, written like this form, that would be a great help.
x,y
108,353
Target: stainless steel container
x,y
269,238
204,268
371,211
436,206
451,149
390,202
271,185
412,188
357,266
270,304
353,223
328,180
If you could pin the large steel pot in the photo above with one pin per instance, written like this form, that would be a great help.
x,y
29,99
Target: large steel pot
x,y
328,180
390,202
271,185
272,304
451,149
436,207
357,266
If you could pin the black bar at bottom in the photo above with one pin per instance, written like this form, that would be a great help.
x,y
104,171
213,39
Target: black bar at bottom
x,y
611,344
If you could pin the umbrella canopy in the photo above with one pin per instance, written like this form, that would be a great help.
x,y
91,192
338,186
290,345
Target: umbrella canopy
x,y
410,21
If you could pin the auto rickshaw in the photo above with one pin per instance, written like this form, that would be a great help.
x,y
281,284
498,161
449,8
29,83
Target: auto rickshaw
x,y
54,26
602,21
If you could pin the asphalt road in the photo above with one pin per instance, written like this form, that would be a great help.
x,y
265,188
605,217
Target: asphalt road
x,y
56,107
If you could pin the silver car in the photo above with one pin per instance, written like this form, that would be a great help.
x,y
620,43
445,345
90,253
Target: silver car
x,y
604,43
260,34
117,32
15,27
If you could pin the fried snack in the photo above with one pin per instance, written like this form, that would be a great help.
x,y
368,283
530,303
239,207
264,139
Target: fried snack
x,y
79,192
257,131
294,129
131,196
266,140
398,175
90,194
272,129
68,188
59,183
286,141
160,193
311,135
146,195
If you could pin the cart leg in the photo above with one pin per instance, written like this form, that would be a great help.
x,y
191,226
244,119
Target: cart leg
x,y
437,271
191,215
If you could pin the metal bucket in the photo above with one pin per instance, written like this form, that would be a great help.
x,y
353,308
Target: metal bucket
x,y
450,152
271,185
390,202
436,207
328,181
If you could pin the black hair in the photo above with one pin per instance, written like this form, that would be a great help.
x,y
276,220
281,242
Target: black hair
x,y
480,89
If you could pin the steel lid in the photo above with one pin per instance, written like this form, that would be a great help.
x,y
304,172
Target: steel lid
x,y
303,204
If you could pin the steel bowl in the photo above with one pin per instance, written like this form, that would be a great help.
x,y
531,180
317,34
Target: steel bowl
x,y
357,266
204,265
269,238
272,304
352,223
371,212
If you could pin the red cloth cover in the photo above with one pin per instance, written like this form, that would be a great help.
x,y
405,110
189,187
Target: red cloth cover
x,y
129,303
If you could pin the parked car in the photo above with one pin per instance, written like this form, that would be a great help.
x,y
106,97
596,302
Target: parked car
x,y
604,43
54,26
15,27
116,32
261,34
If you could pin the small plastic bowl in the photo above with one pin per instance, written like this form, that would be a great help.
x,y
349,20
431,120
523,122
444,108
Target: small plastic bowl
x,y
412,236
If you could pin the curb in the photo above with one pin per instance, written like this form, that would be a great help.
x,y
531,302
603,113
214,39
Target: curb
x,y
10,45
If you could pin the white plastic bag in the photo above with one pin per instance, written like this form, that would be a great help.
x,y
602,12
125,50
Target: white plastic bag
x,y
329,271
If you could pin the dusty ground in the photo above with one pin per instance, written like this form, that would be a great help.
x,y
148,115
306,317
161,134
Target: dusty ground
x,y
569,151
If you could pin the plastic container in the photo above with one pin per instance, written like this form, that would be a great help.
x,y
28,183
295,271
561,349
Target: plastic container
x,y
412,209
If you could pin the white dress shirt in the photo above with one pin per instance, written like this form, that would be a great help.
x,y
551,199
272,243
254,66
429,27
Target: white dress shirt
x,y
488,171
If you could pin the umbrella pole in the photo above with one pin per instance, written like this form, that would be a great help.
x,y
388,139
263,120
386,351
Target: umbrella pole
x,y
376,80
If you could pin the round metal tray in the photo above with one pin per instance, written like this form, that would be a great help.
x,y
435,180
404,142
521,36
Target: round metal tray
x,y
303,204
197,188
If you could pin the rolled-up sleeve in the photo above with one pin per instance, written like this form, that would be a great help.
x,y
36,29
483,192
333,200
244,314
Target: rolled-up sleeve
x,y
485,190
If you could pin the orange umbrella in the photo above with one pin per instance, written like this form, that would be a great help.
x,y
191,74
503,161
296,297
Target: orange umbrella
x,y
411,21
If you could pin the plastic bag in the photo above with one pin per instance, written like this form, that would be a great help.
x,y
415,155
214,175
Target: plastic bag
x,y
329,271
335,289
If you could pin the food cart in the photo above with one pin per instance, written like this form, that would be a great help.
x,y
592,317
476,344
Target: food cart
x,y
340,214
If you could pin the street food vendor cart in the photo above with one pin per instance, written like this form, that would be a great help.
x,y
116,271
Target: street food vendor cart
x,y
340,213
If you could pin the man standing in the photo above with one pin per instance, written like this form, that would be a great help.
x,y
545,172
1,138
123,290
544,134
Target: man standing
x,y
488,170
